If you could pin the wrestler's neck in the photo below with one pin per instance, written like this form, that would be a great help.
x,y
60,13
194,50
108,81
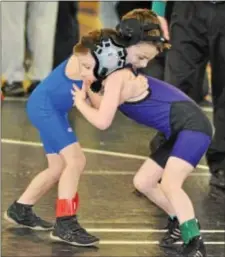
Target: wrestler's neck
x,y
72,70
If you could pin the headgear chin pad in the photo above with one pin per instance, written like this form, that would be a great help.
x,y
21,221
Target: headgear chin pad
x,y
96,86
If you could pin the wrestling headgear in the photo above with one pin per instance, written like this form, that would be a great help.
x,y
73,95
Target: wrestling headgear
x,y
134,31
108,55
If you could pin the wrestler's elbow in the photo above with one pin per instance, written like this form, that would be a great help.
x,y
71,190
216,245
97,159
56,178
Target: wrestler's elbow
x,y
104,124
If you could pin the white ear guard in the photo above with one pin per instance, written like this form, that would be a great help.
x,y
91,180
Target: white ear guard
x,y
109,57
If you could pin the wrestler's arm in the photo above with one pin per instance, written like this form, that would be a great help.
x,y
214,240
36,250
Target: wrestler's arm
x,y
103,117
95,98
159,7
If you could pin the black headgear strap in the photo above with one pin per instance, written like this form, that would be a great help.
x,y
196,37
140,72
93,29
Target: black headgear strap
x,y
134,31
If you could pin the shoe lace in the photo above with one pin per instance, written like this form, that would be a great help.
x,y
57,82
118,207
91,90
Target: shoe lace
x,y
29,215
173,230
170,225
76,229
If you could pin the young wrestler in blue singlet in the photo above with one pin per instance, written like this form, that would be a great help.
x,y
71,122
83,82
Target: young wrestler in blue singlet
x,y
152,103
47,109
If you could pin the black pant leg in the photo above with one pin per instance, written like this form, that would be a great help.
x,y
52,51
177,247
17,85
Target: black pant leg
x,y
216,152
67,31
186,61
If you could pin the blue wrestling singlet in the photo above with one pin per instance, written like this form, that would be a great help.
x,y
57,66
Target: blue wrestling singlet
x,y
169,110
48,108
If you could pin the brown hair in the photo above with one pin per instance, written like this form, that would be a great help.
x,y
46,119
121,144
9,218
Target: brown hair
x,y
94,38
146,16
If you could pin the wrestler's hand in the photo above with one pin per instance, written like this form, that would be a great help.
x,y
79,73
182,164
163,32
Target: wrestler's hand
x,y
164,27
79,95
138,81
86,85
